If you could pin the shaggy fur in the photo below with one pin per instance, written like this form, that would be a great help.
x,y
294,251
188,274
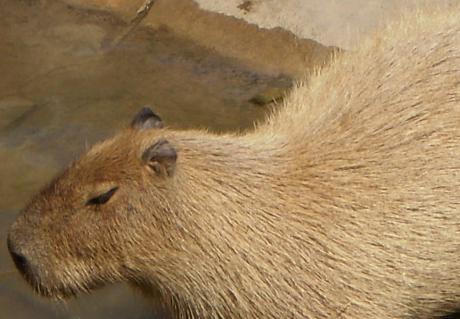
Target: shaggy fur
x,y
344,204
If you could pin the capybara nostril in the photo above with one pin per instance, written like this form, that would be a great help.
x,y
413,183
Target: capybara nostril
x,y
19,259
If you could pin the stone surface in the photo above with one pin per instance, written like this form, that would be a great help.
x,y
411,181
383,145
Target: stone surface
x,y
13,108
330,22
273,51
269,95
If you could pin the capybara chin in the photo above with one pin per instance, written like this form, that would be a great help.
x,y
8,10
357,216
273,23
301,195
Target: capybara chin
x,y
345,203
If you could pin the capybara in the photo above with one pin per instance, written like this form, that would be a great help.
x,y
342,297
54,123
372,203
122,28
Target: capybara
x,y
344,203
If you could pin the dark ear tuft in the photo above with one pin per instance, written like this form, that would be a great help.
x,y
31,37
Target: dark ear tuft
x,y
146,119
161,157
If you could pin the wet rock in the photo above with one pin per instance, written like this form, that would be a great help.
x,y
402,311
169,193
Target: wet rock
x,y
269,95
12,109
79,39
21,177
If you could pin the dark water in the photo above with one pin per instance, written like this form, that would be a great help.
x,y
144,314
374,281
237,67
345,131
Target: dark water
x,y
61,89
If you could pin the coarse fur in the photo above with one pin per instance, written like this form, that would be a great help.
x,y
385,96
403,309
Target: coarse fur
x,y
344,204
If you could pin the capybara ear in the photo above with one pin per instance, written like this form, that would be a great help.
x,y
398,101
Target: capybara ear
x,y
146,119
161,157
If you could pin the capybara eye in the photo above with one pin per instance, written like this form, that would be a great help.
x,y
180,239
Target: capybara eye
x,y
102,198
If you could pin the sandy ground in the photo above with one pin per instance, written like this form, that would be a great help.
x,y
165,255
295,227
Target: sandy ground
x,y
330,22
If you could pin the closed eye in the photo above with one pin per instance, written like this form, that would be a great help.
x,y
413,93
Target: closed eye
x,y
102,198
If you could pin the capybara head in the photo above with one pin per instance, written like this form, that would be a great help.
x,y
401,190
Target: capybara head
x,y
72,237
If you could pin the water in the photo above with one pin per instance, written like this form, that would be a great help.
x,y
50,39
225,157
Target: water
x,y
62,89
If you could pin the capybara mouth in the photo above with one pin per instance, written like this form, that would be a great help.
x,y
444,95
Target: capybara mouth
x,y
58,290
48,291
29,273
55,292
66,284
62,291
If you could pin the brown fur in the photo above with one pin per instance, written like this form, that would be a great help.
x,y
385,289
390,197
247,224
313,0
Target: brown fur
x,y
345,204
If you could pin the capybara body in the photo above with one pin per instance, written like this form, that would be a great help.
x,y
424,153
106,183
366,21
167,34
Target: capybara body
x,y
345,203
